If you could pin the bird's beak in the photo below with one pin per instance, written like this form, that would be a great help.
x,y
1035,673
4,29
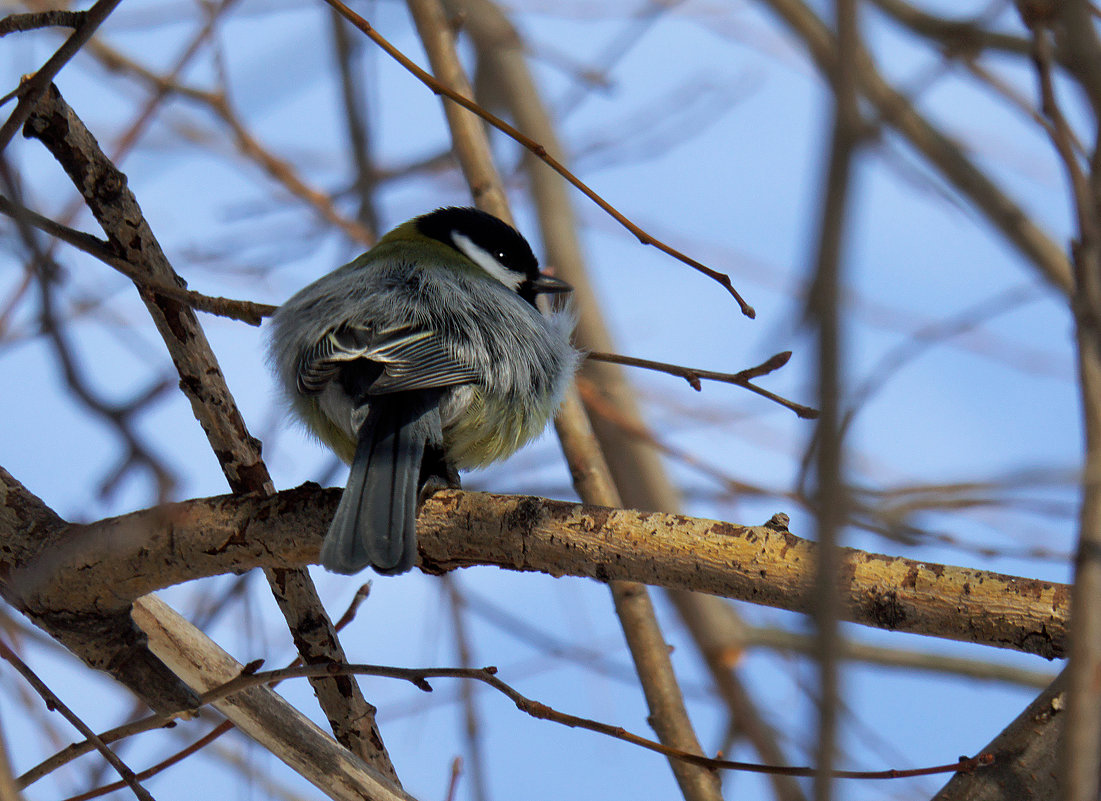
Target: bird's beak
x,y
549,285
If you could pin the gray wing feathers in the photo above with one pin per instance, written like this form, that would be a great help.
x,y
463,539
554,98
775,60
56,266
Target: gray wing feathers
x,y
410,359
419,362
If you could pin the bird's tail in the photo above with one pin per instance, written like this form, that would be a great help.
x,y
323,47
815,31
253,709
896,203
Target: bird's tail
x,y
375,523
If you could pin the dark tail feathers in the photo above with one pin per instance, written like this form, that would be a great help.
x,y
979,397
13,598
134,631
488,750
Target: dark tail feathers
x,y
375,523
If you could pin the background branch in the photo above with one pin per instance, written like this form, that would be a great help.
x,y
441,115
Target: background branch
x,y
592,480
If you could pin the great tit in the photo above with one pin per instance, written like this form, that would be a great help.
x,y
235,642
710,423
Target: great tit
x,y
424,356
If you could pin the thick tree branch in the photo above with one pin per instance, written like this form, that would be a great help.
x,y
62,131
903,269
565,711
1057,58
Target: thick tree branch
x,y
112,643
144,551
1025,755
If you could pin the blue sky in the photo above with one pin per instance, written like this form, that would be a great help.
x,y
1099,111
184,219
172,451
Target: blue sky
x,y
711,134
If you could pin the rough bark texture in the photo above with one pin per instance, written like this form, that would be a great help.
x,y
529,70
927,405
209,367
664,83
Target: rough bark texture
x,y
144,551
29,531
104,189
261,713
1025,756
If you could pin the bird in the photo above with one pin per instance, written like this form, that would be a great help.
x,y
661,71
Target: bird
x,y
424,356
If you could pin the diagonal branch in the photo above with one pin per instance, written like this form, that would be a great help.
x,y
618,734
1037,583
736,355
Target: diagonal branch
x,y
592,479
201,379
943,154
243,310
54,703
30,89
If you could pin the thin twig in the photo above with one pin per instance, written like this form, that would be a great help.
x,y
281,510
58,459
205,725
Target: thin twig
x,y
163,765
419,677
693,376
530,144
161,721
54,703
29,89
243,310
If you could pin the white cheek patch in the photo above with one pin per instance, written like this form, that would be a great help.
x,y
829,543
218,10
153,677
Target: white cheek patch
x,y
484,259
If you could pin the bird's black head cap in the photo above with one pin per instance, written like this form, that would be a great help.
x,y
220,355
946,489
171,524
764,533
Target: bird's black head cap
x,y
495,236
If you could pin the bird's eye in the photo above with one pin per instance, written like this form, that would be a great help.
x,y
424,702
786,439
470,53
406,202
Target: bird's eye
x,y
499,255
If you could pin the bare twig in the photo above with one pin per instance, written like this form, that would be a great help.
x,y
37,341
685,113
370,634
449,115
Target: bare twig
x,y
54,703
157,721
693,375
163,765
262,714
244,310
418,677
163,721
29,90
58,18
440,89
